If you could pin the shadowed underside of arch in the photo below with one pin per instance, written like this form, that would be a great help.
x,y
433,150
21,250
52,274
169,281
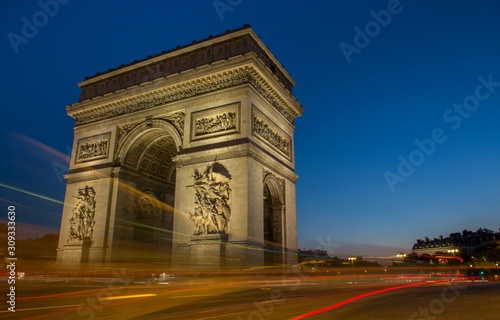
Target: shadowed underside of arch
x,y
151,155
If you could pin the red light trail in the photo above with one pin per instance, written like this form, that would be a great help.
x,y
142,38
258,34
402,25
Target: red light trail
x,y
355,298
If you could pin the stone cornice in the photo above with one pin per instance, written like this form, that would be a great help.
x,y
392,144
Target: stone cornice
x,y
222,80
90,175
212,50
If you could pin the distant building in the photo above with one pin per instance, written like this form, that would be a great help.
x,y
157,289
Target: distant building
x,y
466,242
315,254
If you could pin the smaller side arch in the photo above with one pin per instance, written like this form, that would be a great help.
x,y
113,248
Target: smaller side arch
x,y
275,189
273,216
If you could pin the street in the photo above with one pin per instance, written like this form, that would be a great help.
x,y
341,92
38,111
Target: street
x,y
287,296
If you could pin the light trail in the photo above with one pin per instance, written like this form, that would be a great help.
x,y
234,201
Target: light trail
x,y
31,193
43,308
129,296
196,296
355,298
65,158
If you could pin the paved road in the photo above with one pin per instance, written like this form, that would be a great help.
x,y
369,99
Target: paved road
x,y
283,297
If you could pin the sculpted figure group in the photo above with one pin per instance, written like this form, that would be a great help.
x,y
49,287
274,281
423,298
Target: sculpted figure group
x,y
262,129
222,122
212,212
82,222
93,149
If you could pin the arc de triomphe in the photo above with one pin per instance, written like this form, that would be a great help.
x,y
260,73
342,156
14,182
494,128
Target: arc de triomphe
x,y
184,158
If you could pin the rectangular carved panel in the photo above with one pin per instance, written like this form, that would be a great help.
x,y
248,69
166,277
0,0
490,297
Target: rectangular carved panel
x,y
215,122
269,132
93,148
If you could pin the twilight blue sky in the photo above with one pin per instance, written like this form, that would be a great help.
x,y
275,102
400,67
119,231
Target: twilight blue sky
x,y
407,80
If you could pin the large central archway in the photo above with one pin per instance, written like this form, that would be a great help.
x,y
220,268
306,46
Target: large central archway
x,y
147,186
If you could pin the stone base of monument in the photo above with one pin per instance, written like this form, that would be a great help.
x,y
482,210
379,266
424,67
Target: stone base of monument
x,y
212,252
207,251
73,254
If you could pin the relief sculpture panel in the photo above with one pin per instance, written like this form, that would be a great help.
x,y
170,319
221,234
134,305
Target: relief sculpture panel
x,y
266,130
93,148
82,221
215,122
212,193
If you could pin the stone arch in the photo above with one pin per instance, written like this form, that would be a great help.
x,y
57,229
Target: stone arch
x,y
274,186
159,125
151,155
148,146
145,157
273,220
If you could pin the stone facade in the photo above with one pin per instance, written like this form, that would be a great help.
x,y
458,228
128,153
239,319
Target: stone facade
x,y
194,168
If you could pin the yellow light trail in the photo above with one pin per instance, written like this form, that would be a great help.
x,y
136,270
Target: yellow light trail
x,y
31,193
129,296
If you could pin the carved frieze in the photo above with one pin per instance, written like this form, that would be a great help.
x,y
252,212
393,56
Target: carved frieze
x,y
187,90
212,192
214,122
175,94
268,95
93,148
266,130
82,221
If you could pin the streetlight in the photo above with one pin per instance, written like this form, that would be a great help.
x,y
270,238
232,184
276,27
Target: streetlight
x,y
352,261
453,253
